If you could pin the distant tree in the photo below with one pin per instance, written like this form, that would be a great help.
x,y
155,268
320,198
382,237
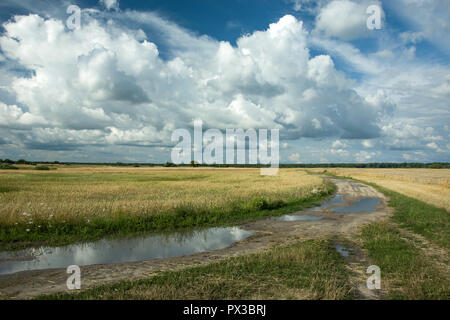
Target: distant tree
x,y
169,164
194,164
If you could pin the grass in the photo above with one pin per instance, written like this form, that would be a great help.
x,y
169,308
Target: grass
x,y
7,166
81,204
408,272
41,167
427,220
307,270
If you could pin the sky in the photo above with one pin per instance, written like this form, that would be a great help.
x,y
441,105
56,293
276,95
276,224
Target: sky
x,y
116,87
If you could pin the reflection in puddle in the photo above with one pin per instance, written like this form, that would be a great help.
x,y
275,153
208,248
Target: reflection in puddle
x,y
115,251
294,217
363,205
336,200
343,251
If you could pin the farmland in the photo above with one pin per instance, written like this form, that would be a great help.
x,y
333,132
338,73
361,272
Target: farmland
x,y
407,235
429,185
86,202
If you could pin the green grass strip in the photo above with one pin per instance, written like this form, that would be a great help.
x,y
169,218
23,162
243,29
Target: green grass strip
x,y
306,270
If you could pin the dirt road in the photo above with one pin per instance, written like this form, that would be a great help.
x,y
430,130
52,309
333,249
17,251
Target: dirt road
x,y
267,233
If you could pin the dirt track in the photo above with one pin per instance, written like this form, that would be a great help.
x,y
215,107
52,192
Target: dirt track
x,y
267,233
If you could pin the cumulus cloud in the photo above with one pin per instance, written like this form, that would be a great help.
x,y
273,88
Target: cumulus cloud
x,y
109,84
110,80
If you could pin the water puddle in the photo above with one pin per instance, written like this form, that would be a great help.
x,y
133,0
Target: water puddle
x,y
344,251
126,250
338,199
294,217
363,205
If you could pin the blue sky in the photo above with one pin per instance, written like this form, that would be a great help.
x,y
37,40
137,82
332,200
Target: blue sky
x,y
118,86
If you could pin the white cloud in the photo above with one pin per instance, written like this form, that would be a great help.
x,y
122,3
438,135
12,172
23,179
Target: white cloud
x,y
367,144
110,4
429,20
434,146
344,19
364,156
111,80
339,144
295,157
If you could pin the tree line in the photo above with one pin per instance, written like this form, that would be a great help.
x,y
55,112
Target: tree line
x,y
433,165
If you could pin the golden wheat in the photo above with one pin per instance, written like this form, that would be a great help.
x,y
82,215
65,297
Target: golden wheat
x,y
429,185
81,192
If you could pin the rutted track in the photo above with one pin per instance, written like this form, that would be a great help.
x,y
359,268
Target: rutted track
x,y
267,233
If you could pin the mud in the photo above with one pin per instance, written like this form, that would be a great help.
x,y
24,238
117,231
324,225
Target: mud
x,y
267,233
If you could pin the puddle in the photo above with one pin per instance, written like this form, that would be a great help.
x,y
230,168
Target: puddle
x,y
344,251
363,205
115,251
355,185
294,217
336,200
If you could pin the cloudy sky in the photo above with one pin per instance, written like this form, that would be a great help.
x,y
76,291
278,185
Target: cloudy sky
x,y
117,87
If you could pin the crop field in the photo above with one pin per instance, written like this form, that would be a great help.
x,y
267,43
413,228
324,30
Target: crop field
x,y
99,200
77,203
429,185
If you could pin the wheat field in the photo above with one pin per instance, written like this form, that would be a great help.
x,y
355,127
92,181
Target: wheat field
x,y
81,192
429,185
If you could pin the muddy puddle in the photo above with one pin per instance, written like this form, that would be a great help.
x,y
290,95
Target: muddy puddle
x,y
362,205
339,205
108,251
344,251
294,217
337,199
